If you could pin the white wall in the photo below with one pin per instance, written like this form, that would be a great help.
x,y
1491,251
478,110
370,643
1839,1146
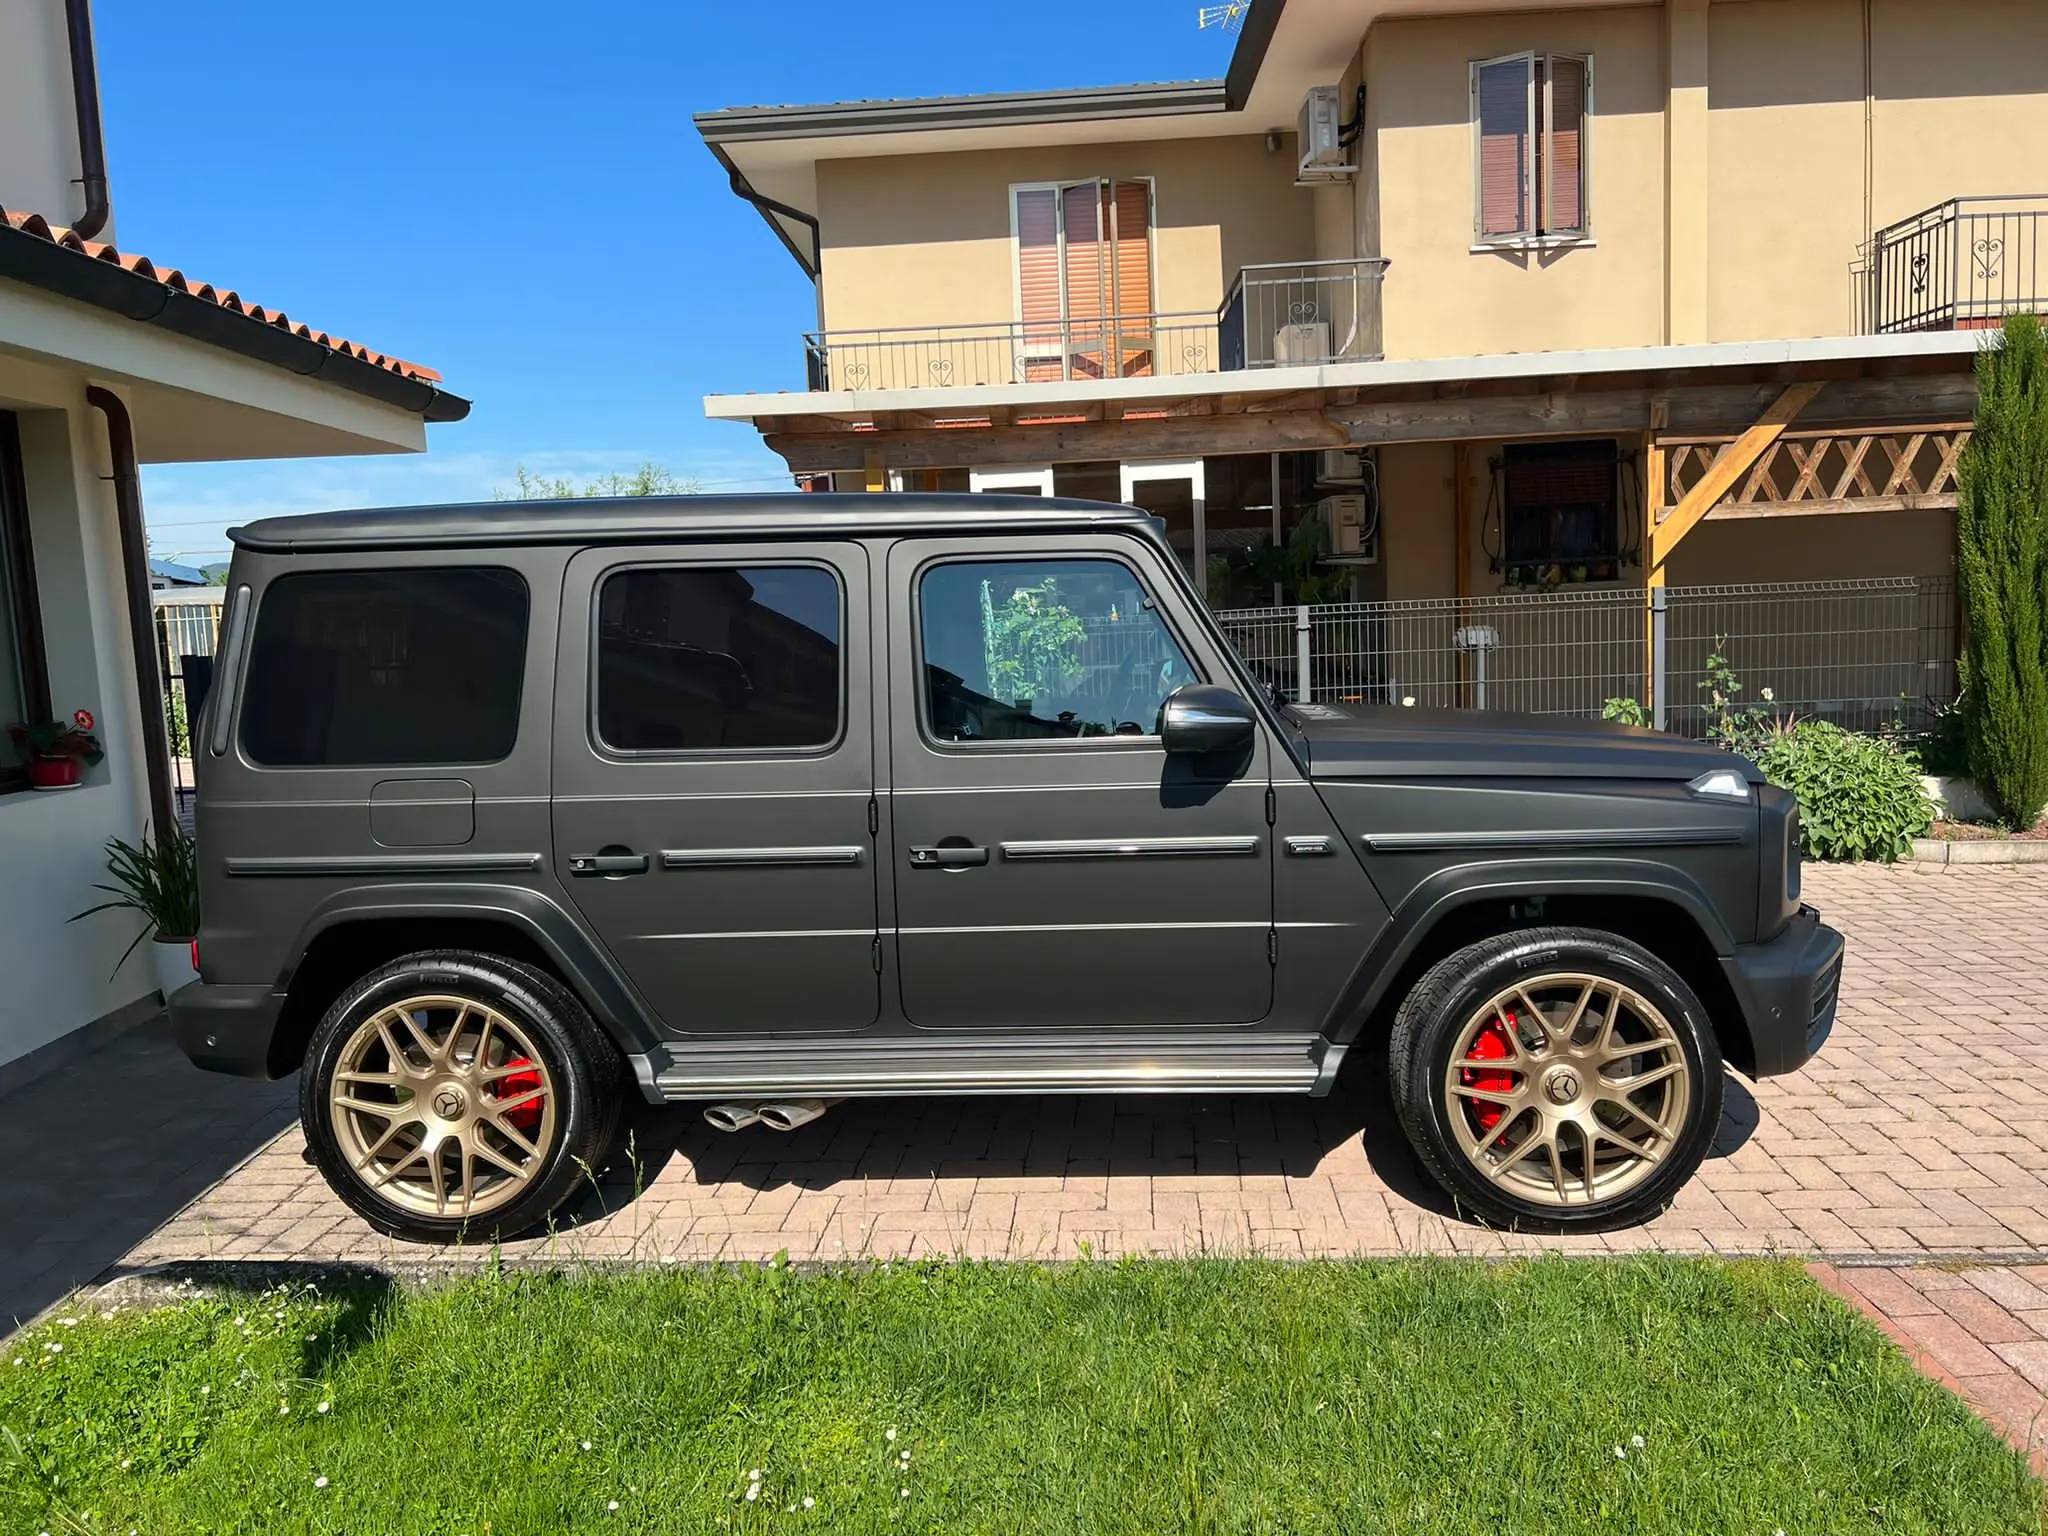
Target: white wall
x,y
60,975
38,125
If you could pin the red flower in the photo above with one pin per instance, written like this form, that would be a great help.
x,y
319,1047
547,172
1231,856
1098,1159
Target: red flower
x,y
83,719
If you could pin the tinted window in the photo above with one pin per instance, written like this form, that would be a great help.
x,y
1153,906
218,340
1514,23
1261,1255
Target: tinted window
x,y
376,668
718,658
1016,650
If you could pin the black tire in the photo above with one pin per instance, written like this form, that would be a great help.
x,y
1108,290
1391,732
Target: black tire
x,y
585,1067
1447,1002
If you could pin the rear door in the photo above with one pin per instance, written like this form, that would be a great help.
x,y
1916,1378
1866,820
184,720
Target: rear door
x,y
714,780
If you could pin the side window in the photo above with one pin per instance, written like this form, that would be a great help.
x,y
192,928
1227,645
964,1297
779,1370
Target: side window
x,y
1530,113
1020,650
386,668
718,658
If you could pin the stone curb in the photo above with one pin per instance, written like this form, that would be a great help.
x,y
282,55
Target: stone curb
x,y
1939,852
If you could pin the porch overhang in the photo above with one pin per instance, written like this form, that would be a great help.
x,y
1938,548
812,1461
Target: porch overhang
x,y
1698,389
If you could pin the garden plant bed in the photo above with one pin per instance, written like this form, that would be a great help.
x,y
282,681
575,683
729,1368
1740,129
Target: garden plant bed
x,y
1977,831
1973,842
1224,1395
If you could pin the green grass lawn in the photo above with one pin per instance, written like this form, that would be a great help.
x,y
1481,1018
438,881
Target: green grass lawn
x,y
1199,1396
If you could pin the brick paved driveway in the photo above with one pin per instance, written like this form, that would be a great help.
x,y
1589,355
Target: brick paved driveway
x,y
1921,1132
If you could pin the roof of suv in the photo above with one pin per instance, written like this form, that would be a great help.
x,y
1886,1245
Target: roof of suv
x,y
634,519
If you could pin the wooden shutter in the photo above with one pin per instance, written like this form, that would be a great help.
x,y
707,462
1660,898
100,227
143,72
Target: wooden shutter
x,y
1564,144
1087,271
1130,229
1038,281
1502,107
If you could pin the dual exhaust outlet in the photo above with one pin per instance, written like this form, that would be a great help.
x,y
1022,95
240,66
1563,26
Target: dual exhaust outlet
x,y
776,1114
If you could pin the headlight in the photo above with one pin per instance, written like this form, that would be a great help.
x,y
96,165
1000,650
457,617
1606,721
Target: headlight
x,y
1721,784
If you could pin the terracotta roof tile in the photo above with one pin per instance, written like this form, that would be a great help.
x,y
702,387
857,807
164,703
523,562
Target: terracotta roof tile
x,y
35,224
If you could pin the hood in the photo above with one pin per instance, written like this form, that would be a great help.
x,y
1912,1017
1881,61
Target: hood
x,y
1382,741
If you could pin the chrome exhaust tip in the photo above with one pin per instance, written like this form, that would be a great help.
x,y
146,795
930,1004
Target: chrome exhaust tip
x,y
788,1114
730,1117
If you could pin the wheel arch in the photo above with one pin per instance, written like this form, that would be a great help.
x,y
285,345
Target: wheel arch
x,y
357,931
1663,910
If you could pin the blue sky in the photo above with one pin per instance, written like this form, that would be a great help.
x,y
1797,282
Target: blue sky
x,y
515,196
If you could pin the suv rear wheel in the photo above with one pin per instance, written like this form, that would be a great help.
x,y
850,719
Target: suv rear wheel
x,y
1556,1079
457,1095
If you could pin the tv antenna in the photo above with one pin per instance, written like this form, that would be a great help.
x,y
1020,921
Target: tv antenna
x,y
1229,16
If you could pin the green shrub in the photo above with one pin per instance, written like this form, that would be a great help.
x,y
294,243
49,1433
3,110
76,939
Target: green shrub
x,y
1859,797
1625,712
2002,563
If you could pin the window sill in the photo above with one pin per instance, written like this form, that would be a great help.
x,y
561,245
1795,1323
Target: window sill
x,y
1534,243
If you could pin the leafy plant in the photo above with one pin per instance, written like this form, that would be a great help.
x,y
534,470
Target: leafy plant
x,y
1625,712
59,738
1737,727
1294,566
1859,797
1944,745
2002,562
159,880
1032,641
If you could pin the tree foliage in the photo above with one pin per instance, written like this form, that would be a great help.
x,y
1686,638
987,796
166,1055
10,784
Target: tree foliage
x,y
650,479
2002,560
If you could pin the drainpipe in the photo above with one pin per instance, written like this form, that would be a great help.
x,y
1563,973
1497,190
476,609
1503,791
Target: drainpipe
x,y
149,689
746,193
85,94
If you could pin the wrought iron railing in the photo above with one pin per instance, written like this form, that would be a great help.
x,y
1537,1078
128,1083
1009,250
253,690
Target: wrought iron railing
x,y
1284,313
1964,263
1296,312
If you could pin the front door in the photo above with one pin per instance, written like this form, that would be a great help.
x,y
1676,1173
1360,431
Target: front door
x,y
1054,866
714,775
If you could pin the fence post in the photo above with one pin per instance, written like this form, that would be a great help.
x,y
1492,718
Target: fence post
x,y
1660,602
1301,635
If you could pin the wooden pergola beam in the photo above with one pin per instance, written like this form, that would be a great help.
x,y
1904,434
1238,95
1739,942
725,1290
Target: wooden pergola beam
x,y
1735,461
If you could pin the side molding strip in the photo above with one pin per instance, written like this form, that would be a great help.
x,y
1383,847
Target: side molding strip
x,y
747,858
1309,847
393,864
1136,848
1591,837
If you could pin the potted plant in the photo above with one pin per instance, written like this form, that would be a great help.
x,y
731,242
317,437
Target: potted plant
x,y
57,751
159,880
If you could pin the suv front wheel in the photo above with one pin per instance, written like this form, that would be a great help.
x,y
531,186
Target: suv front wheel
x,y
454,1095
1556,1079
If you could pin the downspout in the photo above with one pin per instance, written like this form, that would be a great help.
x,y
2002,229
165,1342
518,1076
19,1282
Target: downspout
x,y
746,193
149,690
92,145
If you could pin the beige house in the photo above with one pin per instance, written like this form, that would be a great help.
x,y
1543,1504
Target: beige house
x,y
107,362
1528,310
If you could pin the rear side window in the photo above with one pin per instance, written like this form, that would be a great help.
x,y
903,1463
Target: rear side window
x,y
354,669
718,659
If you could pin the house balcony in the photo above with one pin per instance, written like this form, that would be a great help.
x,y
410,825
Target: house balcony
x,y
1276,315
1960,265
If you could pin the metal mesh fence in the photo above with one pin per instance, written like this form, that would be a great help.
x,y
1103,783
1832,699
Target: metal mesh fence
x,y
1863,653
187,635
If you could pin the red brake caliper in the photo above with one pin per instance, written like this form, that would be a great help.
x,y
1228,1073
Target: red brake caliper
x,y
526,1117
1492,1045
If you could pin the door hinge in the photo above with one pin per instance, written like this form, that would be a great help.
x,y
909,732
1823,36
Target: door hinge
x,y
1272,806
1272,946
874,817
875,954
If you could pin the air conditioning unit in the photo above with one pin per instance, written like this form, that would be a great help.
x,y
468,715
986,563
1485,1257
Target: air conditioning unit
x,y
1320,134
1339,466
1306,341
1354,531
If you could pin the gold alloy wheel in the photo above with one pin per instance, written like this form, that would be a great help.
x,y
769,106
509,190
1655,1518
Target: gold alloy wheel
x,y
442,1106
1568,1090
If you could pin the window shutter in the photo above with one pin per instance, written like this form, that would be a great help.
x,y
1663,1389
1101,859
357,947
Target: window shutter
x,y
1131,281
1087,269
1038,281
1502,90
1564,199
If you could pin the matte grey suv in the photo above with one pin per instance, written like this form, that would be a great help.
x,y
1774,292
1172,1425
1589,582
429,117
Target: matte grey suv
x,y
507,812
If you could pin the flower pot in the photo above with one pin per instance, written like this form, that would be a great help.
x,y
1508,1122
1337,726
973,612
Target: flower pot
x,y
55,772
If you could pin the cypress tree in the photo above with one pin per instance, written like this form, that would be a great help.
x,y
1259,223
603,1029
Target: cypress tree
x,y
2002,562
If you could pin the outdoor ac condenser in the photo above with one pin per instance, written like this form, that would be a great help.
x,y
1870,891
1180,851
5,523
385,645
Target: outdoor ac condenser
x,y
1307,341
1320,136
1340,466
1351,535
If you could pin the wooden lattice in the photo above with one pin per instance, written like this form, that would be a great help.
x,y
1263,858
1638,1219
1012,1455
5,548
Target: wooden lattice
x,y
1830,471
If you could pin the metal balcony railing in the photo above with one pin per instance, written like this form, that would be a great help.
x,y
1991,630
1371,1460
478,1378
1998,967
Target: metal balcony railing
x,y
1300,312
1964,263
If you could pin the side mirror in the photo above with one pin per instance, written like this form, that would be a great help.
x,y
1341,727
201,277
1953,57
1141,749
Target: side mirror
x,y
1202,718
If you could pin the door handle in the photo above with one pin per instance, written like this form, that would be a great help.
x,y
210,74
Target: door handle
x,y
946,856
608,864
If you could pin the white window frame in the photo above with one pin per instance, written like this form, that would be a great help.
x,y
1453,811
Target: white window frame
x,y
1540,156
1058,190
1030,480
